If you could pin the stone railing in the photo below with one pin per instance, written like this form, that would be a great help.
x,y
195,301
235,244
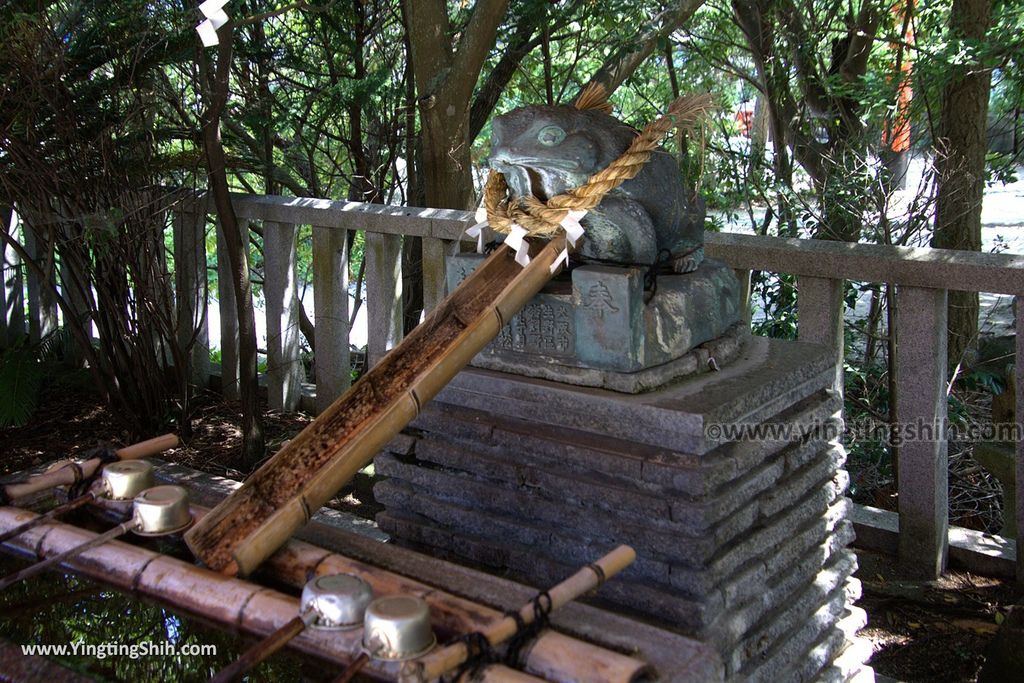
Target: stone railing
x,y
922,277
331,221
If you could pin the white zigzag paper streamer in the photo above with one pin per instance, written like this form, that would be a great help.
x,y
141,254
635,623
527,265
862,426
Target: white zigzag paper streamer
x,y
215,18
477,230
573,233
515,241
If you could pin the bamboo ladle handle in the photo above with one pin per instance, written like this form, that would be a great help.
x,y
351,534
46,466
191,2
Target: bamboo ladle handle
x,y
264,648
66,475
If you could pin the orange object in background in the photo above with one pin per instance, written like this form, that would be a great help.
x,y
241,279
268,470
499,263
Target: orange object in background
x,y
896,133
745,119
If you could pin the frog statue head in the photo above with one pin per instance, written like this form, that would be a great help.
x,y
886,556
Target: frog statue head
x,y
545,150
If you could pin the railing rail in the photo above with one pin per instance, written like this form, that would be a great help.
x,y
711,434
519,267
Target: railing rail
x,y
922,278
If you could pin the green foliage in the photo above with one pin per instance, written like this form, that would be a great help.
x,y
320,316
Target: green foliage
x,y
21,378
23,369
775,305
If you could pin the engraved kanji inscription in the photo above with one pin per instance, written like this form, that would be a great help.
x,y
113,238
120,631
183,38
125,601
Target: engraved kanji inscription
x,y
545,328
599,299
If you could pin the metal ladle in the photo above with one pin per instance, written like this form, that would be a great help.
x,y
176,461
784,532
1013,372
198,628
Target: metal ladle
x,y
332,602
157,511
121,480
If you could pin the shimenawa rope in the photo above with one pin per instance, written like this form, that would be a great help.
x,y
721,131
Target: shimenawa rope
x,y
544,219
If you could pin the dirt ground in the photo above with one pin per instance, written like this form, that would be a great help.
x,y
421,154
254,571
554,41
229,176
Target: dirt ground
x,y
920,631
934,630
70,421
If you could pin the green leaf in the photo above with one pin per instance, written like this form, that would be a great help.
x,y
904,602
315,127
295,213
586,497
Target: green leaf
x,y
21,377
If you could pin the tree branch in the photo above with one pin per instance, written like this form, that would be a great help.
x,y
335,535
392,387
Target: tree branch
x,y
474,46
621,65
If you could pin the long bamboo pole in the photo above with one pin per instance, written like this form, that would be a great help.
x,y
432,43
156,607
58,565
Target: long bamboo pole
x,y
258,518
66,475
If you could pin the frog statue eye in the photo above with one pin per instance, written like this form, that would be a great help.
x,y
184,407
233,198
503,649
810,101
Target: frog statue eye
x,y
549,136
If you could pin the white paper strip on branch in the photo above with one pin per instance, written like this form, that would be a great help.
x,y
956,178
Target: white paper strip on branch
x,y
207,33
211,7
218,18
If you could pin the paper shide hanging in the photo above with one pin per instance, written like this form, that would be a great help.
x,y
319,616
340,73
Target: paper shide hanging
x,y
216,17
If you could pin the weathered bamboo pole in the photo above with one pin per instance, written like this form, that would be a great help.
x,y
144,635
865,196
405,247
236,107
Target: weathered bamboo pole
x,y
67,507
257,519
553,656
231,602
439,662
66,475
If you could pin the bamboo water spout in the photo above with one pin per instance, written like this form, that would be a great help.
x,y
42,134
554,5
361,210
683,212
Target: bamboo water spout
x,y
258,518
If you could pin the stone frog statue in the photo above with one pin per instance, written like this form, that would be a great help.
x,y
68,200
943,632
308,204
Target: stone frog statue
x,y
546,150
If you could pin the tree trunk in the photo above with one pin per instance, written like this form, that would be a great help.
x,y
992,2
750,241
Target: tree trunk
x,y
960,165
758,135
445,79
238,252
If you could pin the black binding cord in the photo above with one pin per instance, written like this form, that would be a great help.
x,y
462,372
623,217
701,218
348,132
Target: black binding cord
x,y
105,454
526,633
480,652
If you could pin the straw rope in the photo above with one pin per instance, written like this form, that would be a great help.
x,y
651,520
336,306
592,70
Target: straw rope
x,y
544,219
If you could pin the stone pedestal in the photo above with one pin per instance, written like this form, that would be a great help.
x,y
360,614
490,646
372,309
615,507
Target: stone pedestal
x,y
603,329
741,536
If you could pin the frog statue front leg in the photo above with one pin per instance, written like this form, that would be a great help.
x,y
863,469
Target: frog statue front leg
x,y
618,231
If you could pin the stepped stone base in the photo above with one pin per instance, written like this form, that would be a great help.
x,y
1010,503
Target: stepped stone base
x,y
741,542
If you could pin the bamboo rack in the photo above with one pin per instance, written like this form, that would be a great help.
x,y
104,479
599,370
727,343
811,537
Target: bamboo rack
x,y
257,519
444,660
552,655
65,475
229,601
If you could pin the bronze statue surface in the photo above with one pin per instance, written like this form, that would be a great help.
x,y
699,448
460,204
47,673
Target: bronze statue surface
x,y
546,150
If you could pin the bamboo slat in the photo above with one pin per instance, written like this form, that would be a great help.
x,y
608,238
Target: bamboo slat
x,y
553,656
257,519
229,601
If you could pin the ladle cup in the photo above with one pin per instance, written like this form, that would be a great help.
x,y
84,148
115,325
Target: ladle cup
x,y
122,480
157,511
